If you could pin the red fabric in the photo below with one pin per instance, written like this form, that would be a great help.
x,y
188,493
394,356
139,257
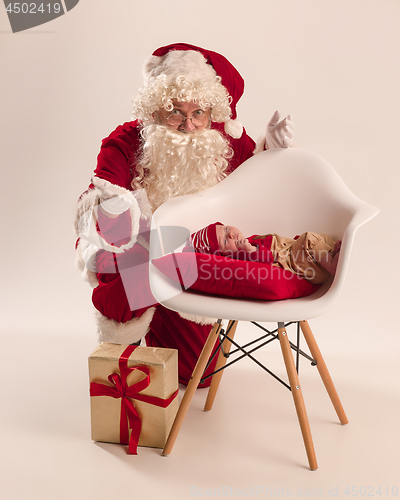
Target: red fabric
x,y
129,418
226,277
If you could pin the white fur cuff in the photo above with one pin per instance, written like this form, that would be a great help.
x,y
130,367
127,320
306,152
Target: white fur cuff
x,y
124,333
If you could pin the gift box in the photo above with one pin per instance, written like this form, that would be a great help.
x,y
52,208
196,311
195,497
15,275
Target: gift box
x,y
133,394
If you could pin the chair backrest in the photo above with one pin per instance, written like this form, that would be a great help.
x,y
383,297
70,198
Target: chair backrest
x,y
283,191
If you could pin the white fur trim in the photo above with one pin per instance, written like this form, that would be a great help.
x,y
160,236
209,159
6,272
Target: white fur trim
x,y
234,128
260,144
87,201
201,320
124,333
89,239
177,63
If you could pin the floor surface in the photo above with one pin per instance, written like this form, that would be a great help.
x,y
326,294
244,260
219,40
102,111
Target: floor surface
x,y
249,445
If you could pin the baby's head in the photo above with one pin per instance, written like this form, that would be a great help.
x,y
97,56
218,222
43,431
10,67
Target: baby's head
x,y
217,238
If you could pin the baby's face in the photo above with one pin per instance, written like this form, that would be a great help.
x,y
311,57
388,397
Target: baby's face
x,y
230,239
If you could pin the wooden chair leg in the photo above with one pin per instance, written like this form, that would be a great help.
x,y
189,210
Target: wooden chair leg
x,y
323,371
191,387
297,396
221,361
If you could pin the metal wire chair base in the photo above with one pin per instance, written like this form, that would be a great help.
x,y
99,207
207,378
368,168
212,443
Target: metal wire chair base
x,y
255,345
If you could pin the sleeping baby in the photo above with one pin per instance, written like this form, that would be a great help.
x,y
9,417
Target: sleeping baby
x,y
311,256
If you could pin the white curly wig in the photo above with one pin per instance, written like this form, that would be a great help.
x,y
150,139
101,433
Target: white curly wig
x,y
184,76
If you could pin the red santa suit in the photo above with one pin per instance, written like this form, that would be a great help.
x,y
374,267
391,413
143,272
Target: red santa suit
x,y
126,309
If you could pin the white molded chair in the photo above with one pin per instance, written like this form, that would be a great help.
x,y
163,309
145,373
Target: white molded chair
x,y
284,191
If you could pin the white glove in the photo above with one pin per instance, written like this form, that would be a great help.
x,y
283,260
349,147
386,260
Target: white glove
x,y
113,199
279,134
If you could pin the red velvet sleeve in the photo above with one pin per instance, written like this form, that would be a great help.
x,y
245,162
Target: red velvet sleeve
x,y
116,164
116,159
243,147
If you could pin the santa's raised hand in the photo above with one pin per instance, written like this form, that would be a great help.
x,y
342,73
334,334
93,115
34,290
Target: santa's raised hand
x,y
279,133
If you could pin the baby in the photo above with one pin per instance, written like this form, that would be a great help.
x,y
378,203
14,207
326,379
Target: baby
x,y
312,256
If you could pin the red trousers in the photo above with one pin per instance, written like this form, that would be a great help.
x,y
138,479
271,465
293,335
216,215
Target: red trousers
x,y
169,329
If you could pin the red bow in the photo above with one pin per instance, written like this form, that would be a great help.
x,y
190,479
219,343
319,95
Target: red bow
x,y
129,416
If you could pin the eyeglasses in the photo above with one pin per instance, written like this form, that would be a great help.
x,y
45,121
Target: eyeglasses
x,y
200,119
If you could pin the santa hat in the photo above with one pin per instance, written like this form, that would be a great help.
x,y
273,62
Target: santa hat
x,y
205,240
173,60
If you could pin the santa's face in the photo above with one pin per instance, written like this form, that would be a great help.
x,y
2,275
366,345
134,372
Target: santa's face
x,y
185,117
180,154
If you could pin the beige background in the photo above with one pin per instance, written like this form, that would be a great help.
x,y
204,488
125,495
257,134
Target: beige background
x,y
335,66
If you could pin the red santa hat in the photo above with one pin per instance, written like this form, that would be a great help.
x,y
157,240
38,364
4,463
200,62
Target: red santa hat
x,y
205,240
172,58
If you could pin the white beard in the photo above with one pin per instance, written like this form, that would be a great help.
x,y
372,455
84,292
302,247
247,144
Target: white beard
x,y
174,163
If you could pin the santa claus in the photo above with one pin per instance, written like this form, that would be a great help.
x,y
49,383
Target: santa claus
x,y
184,137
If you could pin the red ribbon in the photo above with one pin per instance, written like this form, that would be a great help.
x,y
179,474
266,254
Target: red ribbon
x,y
129,416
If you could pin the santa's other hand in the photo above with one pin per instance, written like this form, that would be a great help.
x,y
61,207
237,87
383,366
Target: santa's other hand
x,y
279,133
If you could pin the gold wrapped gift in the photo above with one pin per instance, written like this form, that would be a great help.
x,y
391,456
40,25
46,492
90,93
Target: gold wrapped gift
x,y
134,394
